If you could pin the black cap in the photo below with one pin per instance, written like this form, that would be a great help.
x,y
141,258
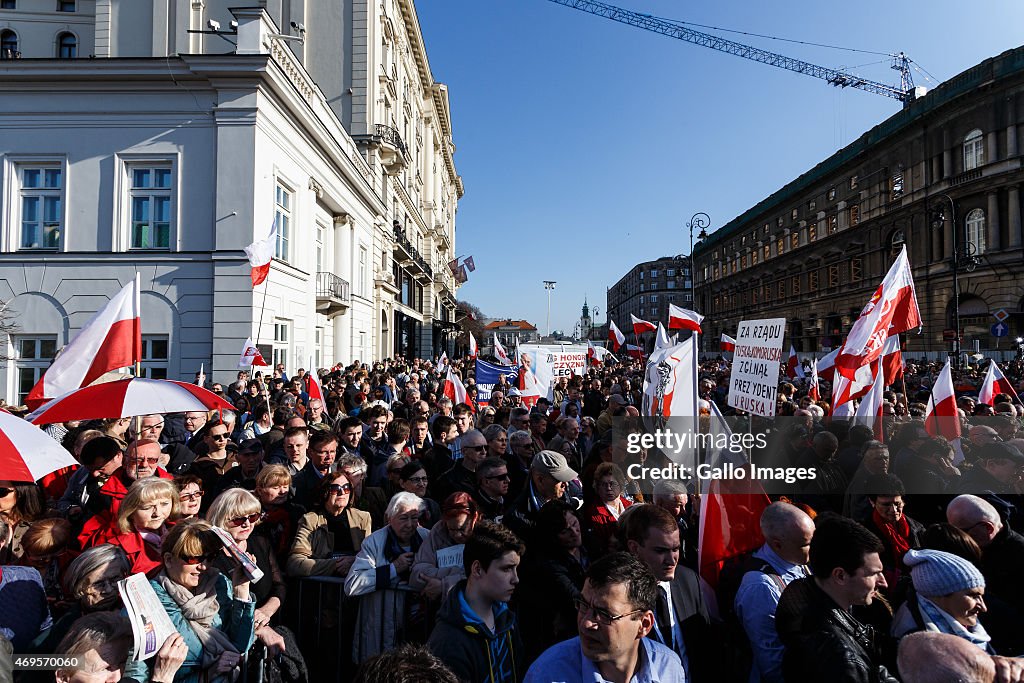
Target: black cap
x,y
1000,450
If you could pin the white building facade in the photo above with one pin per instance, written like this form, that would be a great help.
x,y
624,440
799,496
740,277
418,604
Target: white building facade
x,y
169,151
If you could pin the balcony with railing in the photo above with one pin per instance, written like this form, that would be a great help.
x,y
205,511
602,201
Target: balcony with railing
x,y
393,152
333,294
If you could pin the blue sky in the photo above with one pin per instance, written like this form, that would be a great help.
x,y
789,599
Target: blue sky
x,y
585,145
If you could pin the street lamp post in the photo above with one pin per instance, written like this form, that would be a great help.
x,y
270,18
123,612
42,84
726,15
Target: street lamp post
x,y
549,285
967,260
698,220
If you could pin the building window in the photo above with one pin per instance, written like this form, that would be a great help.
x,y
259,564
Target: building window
x,y
812,205
42,201
34,355
833,224
282,343
856,267
794,214
831,193
853,182
654,298
362,271
320,248
743,261
155,349
151,207
767,252
641,275
318,360
974,150
65,5
854,214
896,242
641,288
670,272
67,46
812,232
8,4
896,186
779,221
671,284
654,273
283,219
9,45
833,275
753,257
976,231
780,246
781,289
794,240
765,229
796,285
812,280
643,299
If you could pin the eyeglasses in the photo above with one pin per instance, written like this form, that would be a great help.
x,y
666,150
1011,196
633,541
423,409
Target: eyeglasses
x,y
254,518
197,559
409,517
601,616
418,480
338,489
219,437
103,585
499,477
144,461
613,485
154,427
968,529
192,496
4,491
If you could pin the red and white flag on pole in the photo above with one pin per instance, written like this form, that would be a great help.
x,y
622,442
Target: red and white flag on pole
x,y
501,353
661,340
814,391
892,309
455,390
634,351
112,339
941,418
251,356
442,361
995,383
730,524
261,253
472,345
793,367
683,319
891,364
827,366
313,388
615,336
869,412
727,343
641,326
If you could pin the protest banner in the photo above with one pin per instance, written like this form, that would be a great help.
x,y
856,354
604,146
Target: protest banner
x,y
754,380
551,362
487,376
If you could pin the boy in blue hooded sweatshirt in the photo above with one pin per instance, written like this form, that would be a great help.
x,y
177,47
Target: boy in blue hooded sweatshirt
x,y
476,634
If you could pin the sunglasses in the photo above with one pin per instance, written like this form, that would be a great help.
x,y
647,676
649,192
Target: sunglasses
x,y
197,559
192,496
4,491
144,461
254,518
338,489
219,437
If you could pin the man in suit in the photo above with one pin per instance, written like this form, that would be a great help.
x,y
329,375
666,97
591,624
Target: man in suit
x,y
681,616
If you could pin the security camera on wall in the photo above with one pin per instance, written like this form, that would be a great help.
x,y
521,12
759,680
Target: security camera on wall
x,y
214,25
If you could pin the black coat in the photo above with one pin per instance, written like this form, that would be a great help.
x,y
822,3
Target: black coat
x,y
824,642
691,613
551,581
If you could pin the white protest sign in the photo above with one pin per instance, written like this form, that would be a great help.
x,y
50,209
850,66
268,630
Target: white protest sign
x,y
450,556
550,362
754,382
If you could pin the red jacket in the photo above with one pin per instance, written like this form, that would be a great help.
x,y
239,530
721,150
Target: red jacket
x,y
599,526
143,557
100,527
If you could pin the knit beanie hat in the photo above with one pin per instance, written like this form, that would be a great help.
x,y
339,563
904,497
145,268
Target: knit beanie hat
x,y
936,573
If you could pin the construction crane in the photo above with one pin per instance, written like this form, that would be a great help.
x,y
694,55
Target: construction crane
x,y
841,79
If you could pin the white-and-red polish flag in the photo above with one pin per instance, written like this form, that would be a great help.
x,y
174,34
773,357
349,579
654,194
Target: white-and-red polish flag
x,y
615,336
472,345
730,524
727,343
634,351
661,340
110,340
827,366
641,326
251,356
793,367
261,253
869,412
892,309
941,418
455,390
501,353
891,364
814,390
313,388
995,383
683,319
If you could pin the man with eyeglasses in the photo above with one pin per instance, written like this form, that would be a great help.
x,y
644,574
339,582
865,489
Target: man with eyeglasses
x,y
492,482
462,475
178,458
614,614
323,449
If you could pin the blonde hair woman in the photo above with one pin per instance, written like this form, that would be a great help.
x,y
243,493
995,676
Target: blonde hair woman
x,y
142,522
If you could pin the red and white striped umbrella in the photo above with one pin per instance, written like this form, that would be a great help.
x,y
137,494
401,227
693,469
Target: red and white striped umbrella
x,y
128,398
27,453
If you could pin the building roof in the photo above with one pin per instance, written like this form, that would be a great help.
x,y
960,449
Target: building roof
x,y
518,324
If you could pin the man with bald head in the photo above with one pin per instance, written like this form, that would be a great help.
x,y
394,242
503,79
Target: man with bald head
x,y
1002,558
783,558
944,658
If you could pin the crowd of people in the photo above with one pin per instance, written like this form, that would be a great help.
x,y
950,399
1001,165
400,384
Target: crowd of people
x,y
494,541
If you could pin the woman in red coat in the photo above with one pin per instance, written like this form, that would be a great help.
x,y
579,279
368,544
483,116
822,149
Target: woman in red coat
x,y
601,517
142,523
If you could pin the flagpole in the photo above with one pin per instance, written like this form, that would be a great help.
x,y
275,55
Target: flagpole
x,y
263,307
138,354
903,377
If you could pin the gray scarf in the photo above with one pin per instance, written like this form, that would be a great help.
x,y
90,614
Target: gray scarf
x,y
200,609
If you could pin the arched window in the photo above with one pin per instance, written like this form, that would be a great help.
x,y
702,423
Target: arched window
x,y
896,241
67,46
9,45
976,230
974,150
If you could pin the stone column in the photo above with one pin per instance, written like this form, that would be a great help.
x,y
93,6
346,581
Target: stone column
x,y
992,221
991,148
1011,140
947,156
1013,217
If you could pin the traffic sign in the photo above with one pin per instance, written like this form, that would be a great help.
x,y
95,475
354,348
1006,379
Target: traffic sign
x,y
1000,330
1000,315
